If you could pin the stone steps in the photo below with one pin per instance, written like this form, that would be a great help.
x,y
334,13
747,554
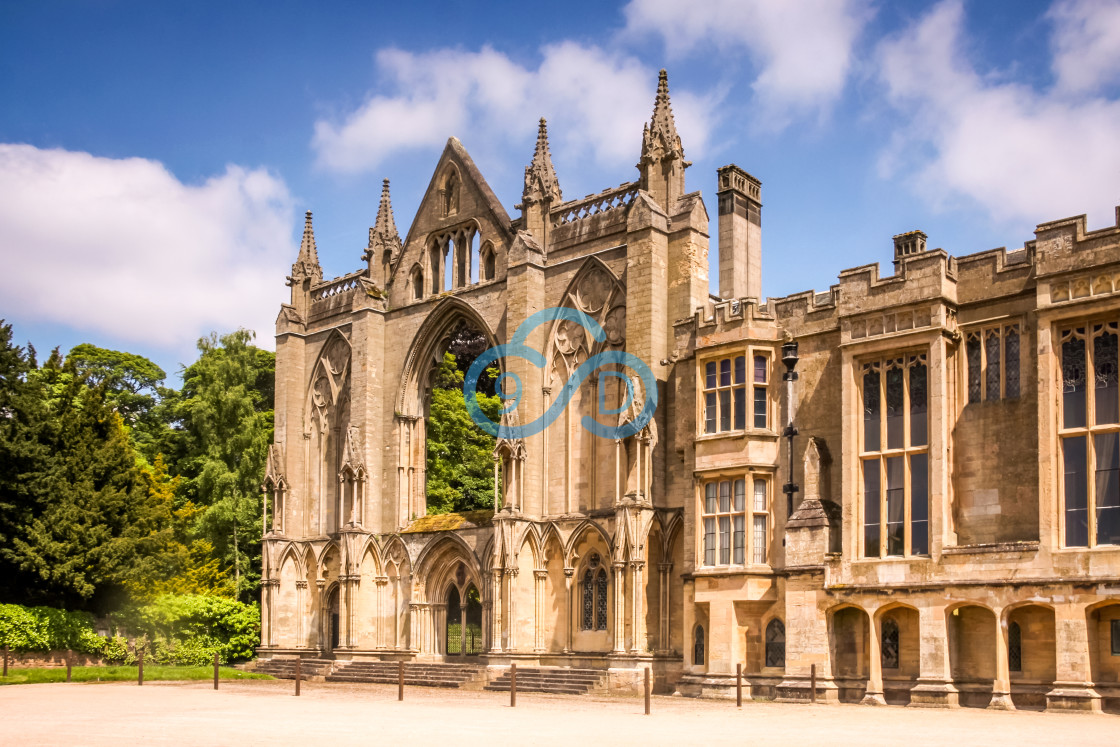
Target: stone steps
x,y
551,680
416,675
285,669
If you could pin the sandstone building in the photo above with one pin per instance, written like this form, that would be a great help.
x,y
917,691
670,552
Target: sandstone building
x,y
949,532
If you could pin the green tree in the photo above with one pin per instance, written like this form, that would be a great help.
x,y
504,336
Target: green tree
x,y
460,462
93,522
24,449
226,408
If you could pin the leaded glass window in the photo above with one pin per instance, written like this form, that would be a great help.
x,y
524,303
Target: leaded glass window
x,y
601,600
587,610
775,644
991,368
1090,435
992,359
725,394
1014,647
889,645
723,515
894,461
972,354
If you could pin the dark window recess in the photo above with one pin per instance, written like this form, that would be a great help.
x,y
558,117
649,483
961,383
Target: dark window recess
x,y
890,644
972,353
1116,637
775,644
1014,647
698,646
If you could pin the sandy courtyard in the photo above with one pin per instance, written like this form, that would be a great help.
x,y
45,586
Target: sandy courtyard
x,y
247,713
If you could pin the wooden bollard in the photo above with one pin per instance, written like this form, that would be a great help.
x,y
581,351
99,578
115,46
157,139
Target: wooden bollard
x,y
739,685
400,680
5,660
68,666
512,685
140,670
215,670
647,689
813,683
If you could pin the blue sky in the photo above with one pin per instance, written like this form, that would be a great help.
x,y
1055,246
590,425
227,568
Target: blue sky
x,y
156,158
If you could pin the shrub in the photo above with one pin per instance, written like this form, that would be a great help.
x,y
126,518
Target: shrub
x,y
115,650
192,627
47,629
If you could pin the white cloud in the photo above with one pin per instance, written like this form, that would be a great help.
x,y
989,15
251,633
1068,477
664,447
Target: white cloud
x,y
595,103
122,247
1018,153
803,48
1086,44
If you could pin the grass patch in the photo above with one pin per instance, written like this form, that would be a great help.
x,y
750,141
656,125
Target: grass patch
x,y
152,673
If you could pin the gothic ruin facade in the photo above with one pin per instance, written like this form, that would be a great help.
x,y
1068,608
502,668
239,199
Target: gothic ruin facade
x,y
949,533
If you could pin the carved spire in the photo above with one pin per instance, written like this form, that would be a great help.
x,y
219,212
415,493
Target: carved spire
x,y
660,140
307,263
662,165
383,236
540,177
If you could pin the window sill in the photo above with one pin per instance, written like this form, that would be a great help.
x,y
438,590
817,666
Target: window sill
x,y
891,559
731,570
763,433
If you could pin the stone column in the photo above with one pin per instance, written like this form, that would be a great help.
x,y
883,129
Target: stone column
x,y
496,643
324,615
619,608
414,625
638,619
540,577
568,573
663,571
1001,687
874,693
935,680
511,596
463,629
301,614
382,629
1073,687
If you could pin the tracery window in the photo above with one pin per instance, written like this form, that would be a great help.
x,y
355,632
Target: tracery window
x,y
698,646
775,643
895,457
724,514
889,645
593,609
992,359
1089,427
1014,647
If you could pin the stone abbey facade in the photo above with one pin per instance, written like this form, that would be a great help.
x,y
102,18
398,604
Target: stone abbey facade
x,y
949,532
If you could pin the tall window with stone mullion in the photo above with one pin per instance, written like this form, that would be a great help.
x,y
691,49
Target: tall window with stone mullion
x,y
894,458
1089,428
724,520
725,395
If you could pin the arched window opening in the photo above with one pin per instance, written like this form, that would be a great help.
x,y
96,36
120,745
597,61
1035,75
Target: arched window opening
x,y
333,618
698,646
593,593
417,284
451,194
474,257
1014,647
454,623
446,254
488,262
889,647
776,644
459,464
472,635
436,268
462,262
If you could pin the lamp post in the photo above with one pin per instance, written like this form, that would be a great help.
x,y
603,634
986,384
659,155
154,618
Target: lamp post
x,y
789,358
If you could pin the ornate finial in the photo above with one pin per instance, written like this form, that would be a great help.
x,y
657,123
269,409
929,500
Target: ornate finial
x,y
540,176
661,141
307,263
384,233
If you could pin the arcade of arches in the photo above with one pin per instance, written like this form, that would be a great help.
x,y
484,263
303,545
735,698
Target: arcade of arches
x,y
944,529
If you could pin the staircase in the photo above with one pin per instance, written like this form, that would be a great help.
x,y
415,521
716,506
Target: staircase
x,y
419,675
285,669
551,680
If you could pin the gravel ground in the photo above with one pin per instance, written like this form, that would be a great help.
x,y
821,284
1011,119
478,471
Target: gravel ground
x,y
330,715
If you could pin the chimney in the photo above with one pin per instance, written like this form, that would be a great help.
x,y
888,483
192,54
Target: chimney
x,y
740,233
907,245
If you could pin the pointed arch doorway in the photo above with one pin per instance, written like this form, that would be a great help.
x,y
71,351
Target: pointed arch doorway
x,y
464,622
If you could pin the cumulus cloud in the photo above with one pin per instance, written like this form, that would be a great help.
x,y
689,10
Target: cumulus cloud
x,y
122,247
1086,44
595,102
1019,153
803,48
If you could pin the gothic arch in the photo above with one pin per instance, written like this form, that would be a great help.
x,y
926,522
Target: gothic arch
x,y
588,526
439,561
599,293
291,550
427,344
